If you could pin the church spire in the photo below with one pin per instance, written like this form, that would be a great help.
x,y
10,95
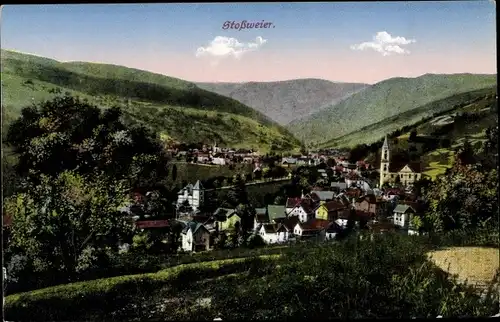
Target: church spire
x,y
386,144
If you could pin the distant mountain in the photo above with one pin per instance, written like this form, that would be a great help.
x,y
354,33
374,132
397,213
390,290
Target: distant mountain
x,y
381,101
285,101
175,108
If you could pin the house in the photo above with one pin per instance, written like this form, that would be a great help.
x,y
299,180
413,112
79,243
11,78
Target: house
x,y
407,173
226,219
330,210
371,204
402,215
276,212
322,173
353,193
338,186
291,204
344,200
313,228
209,222
304,209
194,237
354,180
219,161
269,233
323,196
261,217
380,227
288,161
343,218
332,231
192,194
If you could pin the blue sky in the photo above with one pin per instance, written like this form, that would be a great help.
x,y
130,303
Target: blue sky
x,y
164,37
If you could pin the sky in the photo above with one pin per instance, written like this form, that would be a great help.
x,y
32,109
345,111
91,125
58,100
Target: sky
x,y
364,42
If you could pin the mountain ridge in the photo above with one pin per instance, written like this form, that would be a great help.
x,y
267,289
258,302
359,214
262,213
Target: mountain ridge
x,y
383,100
286,100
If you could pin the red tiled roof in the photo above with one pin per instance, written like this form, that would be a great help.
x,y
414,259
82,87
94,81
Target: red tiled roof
x,y
291,222
334,205
270,228
315,224
152,223
352,192
261,218
292,202
394,191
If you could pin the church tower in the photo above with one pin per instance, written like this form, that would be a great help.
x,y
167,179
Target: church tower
x,y
384,162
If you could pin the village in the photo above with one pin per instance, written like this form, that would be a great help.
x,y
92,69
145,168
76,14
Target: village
x,y
341,200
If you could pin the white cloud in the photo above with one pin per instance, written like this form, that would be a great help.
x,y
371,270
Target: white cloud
x,y
385,44
225,46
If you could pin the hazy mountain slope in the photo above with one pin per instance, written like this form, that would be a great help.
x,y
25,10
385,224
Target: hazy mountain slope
x,y
383,100
285,101
175,108
377,131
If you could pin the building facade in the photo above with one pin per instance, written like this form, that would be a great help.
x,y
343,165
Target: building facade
x,y
407,173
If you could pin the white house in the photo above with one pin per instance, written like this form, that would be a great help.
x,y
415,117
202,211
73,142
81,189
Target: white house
x,y
298,207
332,231
403,214
342,219
194,237
219,161
193,194
283,234
268,232
311,228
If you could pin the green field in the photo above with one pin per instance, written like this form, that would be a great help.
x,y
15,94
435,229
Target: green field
x,y
174,108
384,100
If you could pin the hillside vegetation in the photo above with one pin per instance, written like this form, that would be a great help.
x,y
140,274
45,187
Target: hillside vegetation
x,y
286,101
177,109
394,279
377,131
386,99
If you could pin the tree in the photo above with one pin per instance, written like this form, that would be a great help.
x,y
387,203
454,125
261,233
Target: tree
x,y
185,207
237,194
174,173
330,162
66,223
413,136
279,200
465,197
66,133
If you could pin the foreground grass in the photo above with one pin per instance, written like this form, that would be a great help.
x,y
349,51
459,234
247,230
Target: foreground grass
x,y
390,276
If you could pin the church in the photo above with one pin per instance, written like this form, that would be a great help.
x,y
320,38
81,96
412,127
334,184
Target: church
x,y
408,173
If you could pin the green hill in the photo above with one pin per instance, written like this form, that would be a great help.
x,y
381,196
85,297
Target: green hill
x,y
175,108
289,100
377,131
383,100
